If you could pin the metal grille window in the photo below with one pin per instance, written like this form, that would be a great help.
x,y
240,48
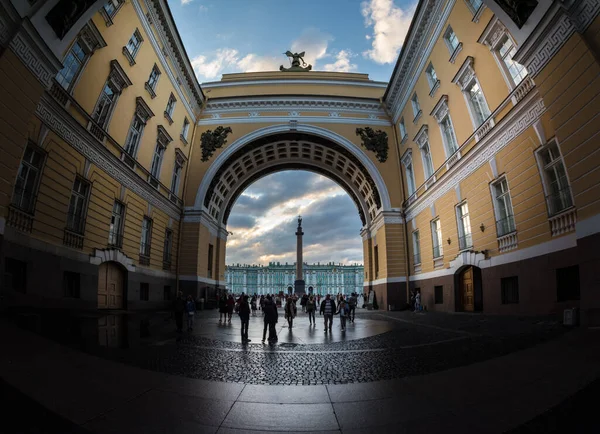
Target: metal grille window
x,y
78,206
510,289
71,284
115,231
72,66
135,135
436,237
448,135
134,43
415,104
27,182
506,222
451,39
464,227
146,237
555,177
507,51
427,159
479,107
416,247
105,105
438,294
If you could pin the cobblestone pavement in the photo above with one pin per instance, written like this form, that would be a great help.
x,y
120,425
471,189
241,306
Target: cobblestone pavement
x,y
413,344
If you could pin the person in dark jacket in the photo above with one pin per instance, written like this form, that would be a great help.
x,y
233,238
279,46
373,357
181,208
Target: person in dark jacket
x,y
178,309
270,311
290,311
328,310
223,308
244,313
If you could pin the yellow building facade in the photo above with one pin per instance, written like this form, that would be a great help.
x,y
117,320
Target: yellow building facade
x,y
474,170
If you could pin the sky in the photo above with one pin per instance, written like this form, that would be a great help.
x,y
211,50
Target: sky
x,y
226,36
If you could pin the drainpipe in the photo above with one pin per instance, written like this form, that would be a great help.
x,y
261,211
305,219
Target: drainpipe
x,y
185,182
402,213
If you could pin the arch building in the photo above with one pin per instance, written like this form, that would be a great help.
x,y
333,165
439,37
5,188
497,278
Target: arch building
x,y
474,170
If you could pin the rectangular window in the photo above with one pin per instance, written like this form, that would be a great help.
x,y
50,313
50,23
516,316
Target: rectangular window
x,y
157,158
506,222
167,293
185,129
431,76
555,178
115,231
436,237
448,135
135,135
376,260
146,237
210,261
154,76
78,206
510,289
72,66
15,275
451,39
176,178
427,159
28,177
507,51
410,177
479,107
105,105
167,247
402,129
474,5
438,294
134,43
171,105
144,291
416,247
567,283
465,239
415,104
71,284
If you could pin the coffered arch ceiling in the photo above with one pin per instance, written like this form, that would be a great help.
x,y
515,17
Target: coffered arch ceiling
x,y
291,150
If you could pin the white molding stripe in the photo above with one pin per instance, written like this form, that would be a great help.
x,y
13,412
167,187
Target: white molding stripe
x,y
165,65
322,81
509,128
65,126
385,280
552,246
587,227
287,119
193,278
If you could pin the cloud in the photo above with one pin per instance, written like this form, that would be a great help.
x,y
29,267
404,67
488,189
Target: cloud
x,y
227,60
314,42
254,63
202,8
390,25
186,2
342,62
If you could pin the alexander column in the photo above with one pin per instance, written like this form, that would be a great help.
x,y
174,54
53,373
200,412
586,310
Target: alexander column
x,y
299,284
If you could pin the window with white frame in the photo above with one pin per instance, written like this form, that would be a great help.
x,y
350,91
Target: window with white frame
x,y
171,106
135,135
115,230
505,221
431,76
474,5
506,51
153,81
146,237
410,174
110,9
477,102
415,105
465,240
78,206
427,159
105,105
451,40
176,178
157,158
167,248
72,65
448,135
436,238
416,248
133,46
402,129
28,178
185,129
558,191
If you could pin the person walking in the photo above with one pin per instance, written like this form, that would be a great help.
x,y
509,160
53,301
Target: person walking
x,y
190,309
223,308
352,302
343,312
230,306
303,301
327,310
253,305
244,313
290,311
310,309
178,309
418,300
270,319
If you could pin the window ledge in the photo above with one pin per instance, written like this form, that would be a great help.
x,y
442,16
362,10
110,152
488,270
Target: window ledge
x,y
150,90
404,139
183,139
168,118
129,56
478,13
455,53
417,268
417,116
430,181
435,87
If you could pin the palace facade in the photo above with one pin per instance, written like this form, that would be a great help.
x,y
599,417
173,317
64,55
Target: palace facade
x,y
474,170
276,277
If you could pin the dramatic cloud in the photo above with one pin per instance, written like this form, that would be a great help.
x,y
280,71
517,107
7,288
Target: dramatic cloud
x,y
223,60
342,62
390,25
263,221
314,43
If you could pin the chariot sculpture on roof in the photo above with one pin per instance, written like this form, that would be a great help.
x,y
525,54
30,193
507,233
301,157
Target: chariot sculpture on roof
x,y
298,63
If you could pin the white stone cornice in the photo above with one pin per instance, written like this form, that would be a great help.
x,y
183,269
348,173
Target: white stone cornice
x,y
283,81
440,110
291,117
205,219
65,126
529,110
384,218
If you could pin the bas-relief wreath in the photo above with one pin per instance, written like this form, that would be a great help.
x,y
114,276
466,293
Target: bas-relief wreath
x,y
375,141
210,141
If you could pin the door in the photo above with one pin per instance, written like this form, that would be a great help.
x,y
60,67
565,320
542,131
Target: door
x,y
110,286
467,290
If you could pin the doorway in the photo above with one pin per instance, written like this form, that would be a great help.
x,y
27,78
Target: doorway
x,y
469,293
111,286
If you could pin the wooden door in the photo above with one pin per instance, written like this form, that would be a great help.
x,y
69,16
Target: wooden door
x,y
467,290
110,286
